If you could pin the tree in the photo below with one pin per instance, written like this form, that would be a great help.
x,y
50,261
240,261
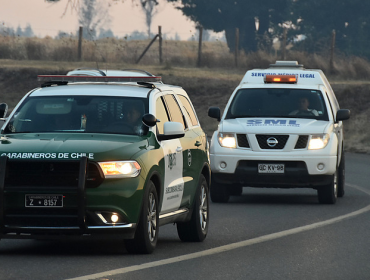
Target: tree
x,y
149,8
227,15
92,14
350,20
28,32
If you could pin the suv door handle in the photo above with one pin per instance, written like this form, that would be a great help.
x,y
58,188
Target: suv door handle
x,y
198,143
179,149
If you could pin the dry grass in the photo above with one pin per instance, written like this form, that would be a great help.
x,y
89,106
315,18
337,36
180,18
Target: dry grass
x,y
210,85
112,51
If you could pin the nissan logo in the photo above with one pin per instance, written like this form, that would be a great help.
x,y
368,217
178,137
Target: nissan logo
x,y
272,142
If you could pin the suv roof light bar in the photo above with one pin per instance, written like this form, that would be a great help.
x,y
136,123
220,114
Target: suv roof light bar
x,y
97,79
140,71
91,69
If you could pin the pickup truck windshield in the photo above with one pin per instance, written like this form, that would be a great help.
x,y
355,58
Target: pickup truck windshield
x,y
93,114
277,102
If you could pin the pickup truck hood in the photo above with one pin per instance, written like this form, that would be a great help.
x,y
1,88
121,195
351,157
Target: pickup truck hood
x,y
273,126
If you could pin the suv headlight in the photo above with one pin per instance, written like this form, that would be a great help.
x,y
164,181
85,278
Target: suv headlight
x,y
318,141
120,169
227,140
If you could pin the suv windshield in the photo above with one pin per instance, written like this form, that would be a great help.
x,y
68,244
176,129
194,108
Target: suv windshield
x,y
96,114
274,102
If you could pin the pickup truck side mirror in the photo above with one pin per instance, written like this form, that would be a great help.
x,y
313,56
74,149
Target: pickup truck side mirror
x,y
3,110
214,112
342,115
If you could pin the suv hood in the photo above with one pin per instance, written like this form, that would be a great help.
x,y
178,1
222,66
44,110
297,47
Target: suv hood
x,y
96,147
273,125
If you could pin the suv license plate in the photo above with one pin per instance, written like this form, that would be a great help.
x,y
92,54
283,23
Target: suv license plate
x,y
271,168
44,200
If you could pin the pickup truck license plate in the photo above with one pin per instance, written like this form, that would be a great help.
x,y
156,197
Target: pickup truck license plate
x,y
44,200
271,168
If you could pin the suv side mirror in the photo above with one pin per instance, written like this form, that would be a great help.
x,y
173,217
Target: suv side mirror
x,y
3,110
343,114
172,130
149,120
214,112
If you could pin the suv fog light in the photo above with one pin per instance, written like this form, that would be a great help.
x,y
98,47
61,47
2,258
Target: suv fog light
x,y
223,164
320,166
114,218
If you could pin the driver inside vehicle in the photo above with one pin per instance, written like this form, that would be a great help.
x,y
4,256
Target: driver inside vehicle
x,y
133,117
303,108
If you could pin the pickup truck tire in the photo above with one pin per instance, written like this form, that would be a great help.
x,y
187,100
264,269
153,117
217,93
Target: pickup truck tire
x,y
328,194
341,176
219,193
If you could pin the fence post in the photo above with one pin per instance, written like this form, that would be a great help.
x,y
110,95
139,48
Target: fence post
x,y
79,48
236,46
160,44
283,45
332,51
200,46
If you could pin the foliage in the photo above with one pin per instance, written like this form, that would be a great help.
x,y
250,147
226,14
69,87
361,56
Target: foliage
x,y
92,15
350,20
227,15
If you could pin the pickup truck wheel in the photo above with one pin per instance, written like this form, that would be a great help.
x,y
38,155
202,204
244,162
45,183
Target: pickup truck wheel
x,y
146,234
237,190
328,194
341,176
219,193
196,229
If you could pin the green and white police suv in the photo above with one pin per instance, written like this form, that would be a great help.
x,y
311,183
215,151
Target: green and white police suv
x,y
281,128
104,153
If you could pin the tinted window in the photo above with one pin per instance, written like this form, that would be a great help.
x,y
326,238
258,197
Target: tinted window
x,y
98,114
287,103
161,114
175,111
188,109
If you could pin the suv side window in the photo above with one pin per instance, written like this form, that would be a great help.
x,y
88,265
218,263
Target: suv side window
x,y
189,109
161,114
175,111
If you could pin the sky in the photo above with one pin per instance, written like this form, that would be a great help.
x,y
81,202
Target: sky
x,y
125,17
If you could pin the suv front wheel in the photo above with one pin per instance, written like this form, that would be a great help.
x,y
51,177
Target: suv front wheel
x,y
196,229
146,234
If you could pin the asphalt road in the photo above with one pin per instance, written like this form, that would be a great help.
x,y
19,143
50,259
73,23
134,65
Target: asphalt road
x,y
263,234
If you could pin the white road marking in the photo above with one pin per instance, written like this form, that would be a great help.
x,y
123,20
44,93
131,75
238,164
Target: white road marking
x,y
230,247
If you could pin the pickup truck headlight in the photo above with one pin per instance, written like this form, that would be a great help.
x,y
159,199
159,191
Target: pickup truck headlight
x,y
318,141
120,169
227,140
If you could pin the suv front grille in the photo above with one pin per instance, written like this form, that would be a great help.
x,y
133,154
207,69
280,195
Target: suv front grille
x,y
50,174
281,141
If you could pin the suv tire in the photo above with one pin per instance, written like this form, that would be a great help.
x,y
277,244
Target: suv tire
x,y
146,234
196,229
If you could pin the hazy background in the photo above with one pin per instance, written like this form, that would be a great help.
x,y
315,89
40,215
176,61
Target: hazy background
x,y
123,18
